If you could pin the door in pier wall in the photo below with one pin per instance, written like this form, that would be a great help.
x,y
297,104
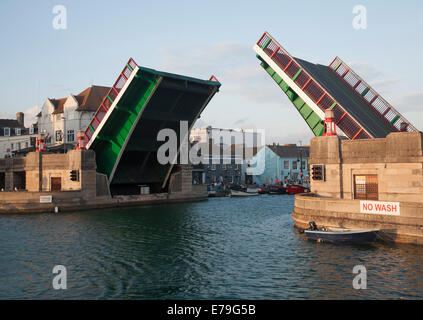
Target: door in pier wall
x,y
2,181
56,184
366,187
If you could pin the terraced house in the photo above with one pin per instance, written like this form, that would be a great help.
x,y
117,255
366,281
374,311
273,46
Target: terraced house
x,y
14,136
61,119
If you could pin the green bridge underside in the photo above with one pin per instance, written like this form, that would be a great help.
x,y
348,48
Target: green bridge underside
x,y
309,116
153,101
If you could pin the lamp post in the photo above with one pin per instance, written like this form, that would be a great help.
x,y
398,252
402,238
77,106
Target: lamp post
x,y
64,133
301,160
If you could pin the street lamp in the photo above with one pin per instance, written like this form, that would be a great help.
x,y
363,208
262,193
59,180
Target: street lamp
x,y
301,159
64,133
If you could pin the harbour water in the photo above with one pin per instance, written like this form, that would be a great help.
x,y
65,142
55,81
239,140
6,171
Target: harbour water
x,y
224,248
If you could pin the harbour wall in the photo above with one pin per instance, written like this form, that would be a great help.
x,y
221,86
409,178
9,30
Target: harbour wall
x,y
383,170
330,212
29,185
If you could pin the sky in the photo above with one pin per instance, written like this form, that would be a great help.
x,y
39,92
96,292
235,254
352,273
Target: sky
x,y
204,38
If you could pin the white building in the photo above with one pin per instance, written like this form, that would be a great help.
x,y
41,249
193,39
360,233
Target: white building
x,y
227,136
14,136
61,119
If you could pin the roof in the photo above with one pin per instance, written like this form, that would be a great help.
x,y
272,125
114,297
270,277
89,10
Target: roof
x,y
58,105
10,123
290,151
91,98
88,100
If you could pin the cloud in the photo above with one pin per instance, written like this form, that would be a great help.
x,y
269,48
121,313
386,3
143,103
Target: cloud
x,y
31,115
233,64
410,102
366,71
302,136
378,79
241,121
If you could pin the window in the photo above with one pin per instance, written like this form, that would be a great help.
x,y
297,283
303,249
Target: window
x,y
294,165
366,187
58,135
26,145
303,165
71,136
31,130
17,131
12,146
7,132
213,167
18,146
286,164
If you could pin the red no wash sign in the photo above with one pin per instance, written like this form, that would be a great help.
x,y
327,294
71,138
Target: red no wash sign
x,y
380,207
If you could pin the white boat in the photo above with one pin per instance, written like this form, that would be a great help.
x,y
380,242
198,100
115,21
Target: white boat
x,y
247,193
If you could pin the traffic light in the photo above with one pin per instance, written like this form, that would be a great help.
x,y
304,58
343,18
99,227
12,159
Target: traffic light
x,y
74,175
318,172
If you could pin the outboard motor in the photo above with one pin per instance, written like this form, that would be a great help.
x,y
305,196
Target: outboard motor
x,y
313,226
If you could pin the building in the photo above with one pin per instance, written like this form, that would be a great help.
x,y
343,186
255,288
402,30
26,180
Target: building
x,y
46,182
61,119
287,162
14,136
224,154
226,136
366,184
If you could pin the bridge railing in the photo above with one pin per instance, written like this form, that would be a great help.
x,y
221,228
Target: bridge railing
x,y
373,100
108,100
311,87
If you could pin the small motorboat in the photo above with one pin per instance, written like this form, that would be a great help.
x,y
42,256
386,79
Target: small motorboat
x,y
244,192
216,193
340,235
295,188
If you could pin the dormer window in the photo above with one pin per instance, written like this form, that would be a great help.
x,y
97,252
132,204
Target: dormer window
x,y
17,131
7,132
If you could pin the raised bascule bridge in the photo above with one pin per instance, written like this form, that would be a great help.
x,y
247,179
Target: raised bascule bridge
x,y
360,112
123,132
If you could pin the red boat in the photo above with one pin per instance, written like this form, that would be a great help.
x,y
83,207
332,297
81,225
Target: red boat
x,y
294,189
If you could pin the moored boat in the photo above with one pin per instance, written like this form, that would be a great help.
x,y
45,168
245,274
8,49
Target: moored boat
x,y
263,190
340,235
277,189
295,188
244,191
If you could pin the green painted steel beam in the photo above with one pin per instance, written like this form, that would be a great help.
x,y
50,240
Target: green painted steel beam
x,y
395,119
337,66
109,143
266,43
365,91
297,74
313,121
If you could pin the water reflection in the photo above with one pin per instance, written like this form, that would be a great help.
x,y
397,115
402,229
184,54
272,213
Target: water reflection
x,y
220,249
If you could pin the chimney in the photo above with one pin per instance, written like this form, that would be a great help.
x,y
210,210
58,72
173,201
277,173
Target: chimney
x,y
20,117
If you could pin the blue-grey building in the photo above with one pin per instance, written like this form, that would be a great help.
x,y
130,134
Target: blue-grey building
x,y
286,163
